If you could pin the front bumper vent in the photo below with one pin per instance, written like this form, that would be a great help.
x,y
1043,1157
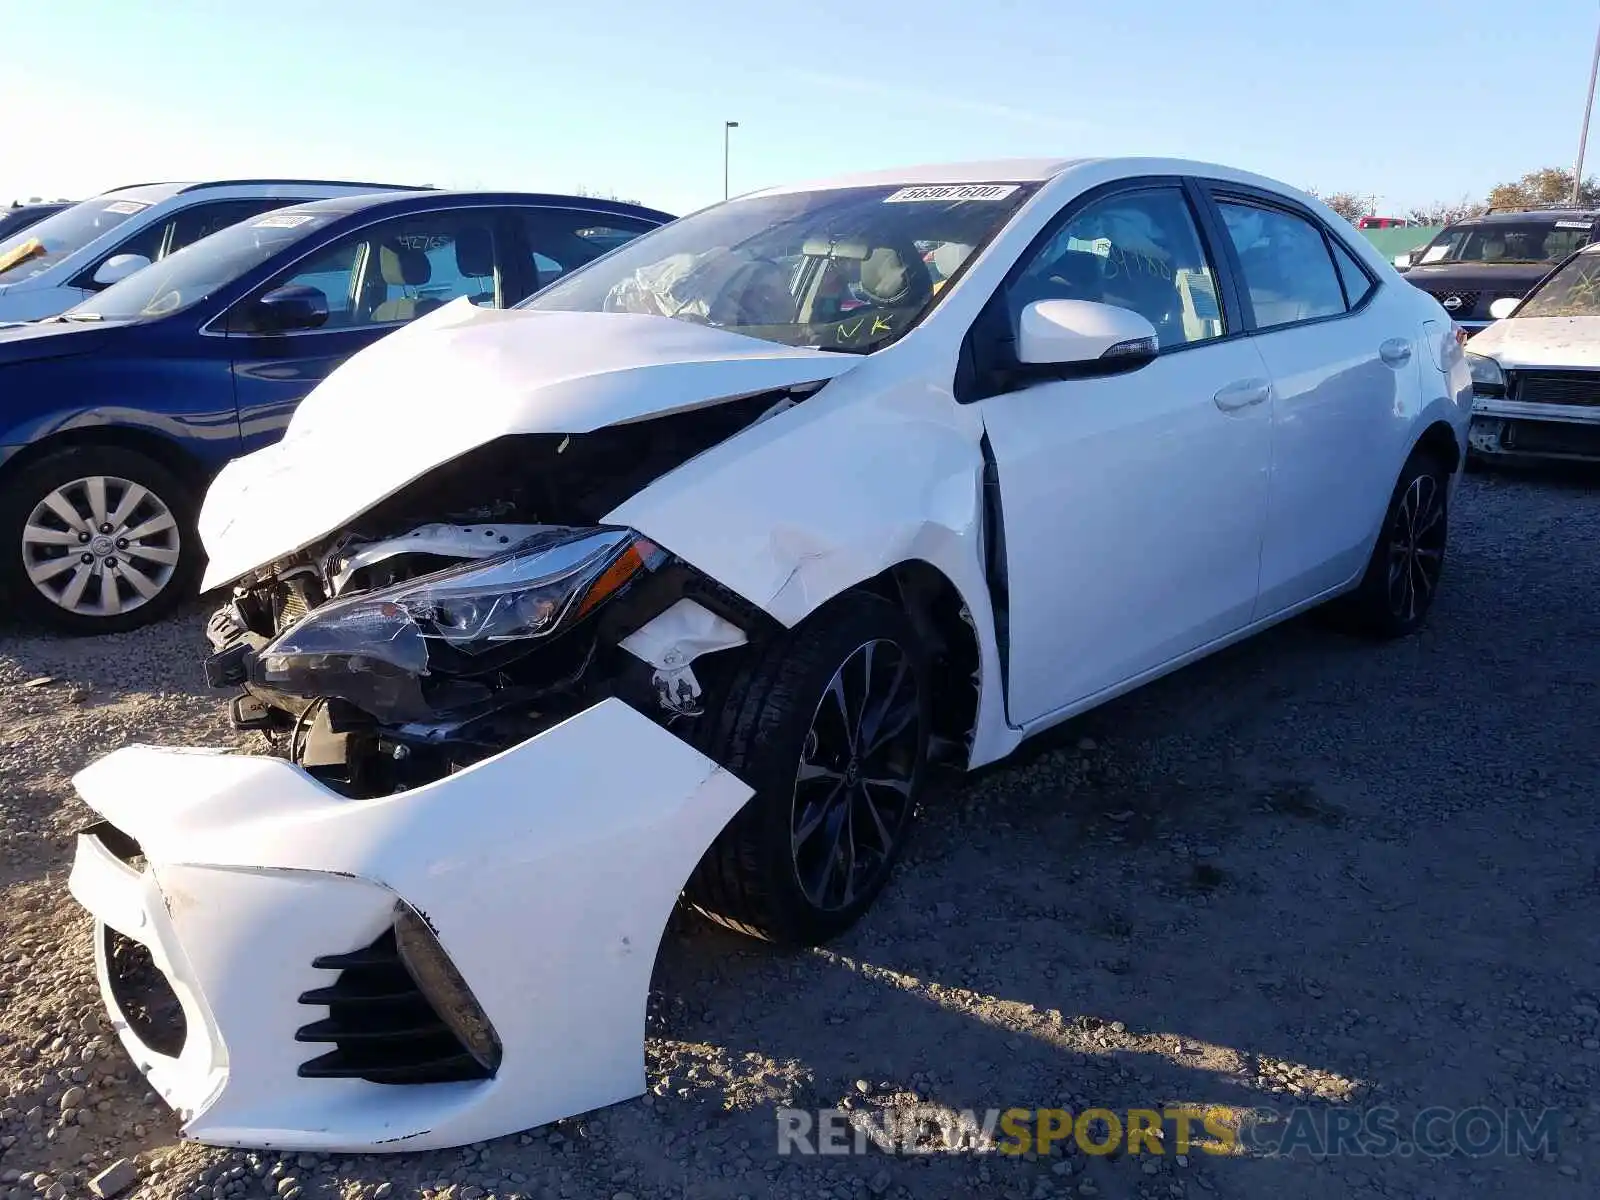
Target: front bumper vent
x,y
143,996
382,1027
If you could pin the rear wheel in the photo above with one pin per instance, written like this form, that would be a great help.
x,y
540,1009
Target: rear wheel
x,y
97,539
1403,574
830,727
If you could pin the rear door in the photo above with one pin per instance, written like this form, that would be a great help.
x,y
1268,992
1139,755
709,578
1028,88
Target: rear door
x,y
374,280
1344,367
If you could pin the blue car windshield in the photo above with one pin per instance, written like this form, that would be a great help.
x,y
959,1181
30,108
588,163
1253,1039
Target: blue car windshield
x,y
195,272
42,245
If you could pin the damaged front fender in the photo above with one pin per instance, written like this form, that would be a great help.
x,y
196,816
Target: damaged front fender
x,y
868,474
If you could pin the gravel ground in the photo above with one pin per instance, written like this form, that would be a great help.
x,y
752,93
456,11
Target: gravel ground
x,y
1309,871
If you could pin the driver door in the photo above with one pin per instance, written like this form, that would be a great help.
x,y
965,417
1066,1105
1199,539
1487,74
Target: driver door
x,y
1134,504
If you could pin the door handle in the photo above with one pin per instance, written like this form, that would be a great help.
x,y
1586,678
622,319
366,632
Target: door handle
x,y
1242,394
1396,352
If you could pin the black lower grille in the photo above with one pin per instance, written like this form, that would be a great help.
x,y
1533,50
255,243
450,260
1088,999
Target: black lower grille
x,y
1551,437
143,996
383,1028
1556,387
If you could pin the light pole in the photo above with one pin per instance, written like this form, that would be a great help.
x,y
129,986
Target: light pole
x,y
728,126
1583,138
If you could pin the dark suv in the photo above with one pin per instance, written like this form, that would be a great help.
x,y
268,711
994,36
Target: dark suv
x,y
1473,263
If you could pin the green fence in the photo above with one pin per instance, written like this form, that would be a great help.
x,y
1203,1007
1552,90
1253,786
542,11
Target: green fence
x,y
1397,240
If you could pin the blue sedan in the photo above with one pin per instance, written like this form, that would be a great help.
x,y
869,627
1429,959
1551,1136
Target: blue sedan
x,y
115,415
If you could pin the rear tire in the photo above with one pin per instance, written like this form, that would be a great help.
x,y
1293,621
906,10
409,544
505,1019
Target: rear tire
x,y
97,539
1407,563
830,727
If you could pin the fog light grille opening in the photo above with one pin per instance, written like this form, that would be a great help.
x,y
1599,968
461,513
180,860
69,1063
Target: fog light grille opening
x,y
384,1029
143,996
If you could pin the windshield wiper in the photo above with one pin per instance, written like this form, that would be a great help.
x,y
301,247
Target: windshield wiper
x,y
70,315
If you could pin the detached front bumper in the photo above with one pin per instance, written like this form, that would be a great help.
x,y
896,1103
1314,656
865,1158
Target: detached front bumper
x,y
1512,429
546,873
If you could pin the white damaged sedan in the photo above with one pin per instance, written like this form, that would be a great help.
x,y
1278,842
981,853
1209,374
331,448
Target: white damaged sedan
x,y
677,578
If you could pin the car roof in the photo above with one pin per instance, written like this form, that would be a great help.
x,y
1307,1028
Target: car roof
x,y
1520,215
446,199
147,193
1028,170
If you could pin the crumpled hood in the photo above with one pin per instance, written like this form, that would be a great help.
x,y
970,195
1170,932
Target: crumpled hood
x,y
1541,342
457,379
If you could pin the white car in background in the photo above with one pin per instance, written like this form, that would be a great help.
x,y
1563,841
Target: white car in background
x,y
1536,370
48,267
676,577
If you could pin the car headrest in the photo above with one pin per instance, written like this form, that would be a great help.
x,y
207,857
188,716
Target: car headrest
x,y
948,257
893,279
404,266
475,252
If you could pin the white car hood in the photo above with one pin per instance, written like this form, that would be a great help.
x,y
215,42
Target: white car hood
x,y
1541,342
457,379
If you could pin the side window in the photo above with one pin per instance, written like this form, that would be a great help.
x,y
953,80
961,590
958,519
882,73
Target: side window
x,y
1357,283
160,238
1287,271
1137,250
333,272
427,261
146,243
561,239
399,269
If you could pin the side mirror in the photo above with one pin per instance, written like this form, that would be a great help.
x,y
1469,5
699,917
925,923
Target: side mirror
x,y
289,309
1060,333
118,267
1504,307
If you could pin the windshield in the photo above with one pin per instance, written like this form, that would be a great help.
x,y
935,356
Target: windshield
x,y
1573,291
193,273
25,253
846,269
1505,242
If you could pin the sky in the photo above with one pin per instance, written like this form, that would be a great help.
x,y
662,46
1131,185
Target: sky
x,y
1409,100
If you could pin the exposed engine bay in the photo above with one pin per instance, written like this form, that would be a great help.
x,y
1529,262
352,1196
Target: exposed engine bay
x,y
482,605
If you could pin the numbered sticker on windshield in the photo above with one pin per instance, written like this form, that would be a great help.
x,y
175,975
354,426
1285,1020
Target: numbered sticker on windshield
x,y
1573,224
951,191
282,221
126,208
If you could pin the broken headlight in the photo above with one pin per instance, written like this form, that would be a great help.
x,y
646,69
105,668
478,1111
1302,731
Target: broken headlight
x,y
372,649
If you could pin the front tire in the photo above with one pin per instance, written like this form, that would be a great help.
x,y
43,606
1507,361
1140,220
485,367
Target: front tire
x,y
97,539
1402,576
830,727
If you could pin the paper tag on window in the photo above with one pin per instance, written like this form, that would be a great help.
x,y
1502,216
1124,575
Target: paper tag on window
x,y
126,207
282,221
1573,224
951,191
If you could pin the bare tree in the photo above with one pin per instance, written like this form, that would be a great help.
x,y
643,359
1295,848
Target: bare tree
x,y
1443,212
595,194
1348,205
1546,186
